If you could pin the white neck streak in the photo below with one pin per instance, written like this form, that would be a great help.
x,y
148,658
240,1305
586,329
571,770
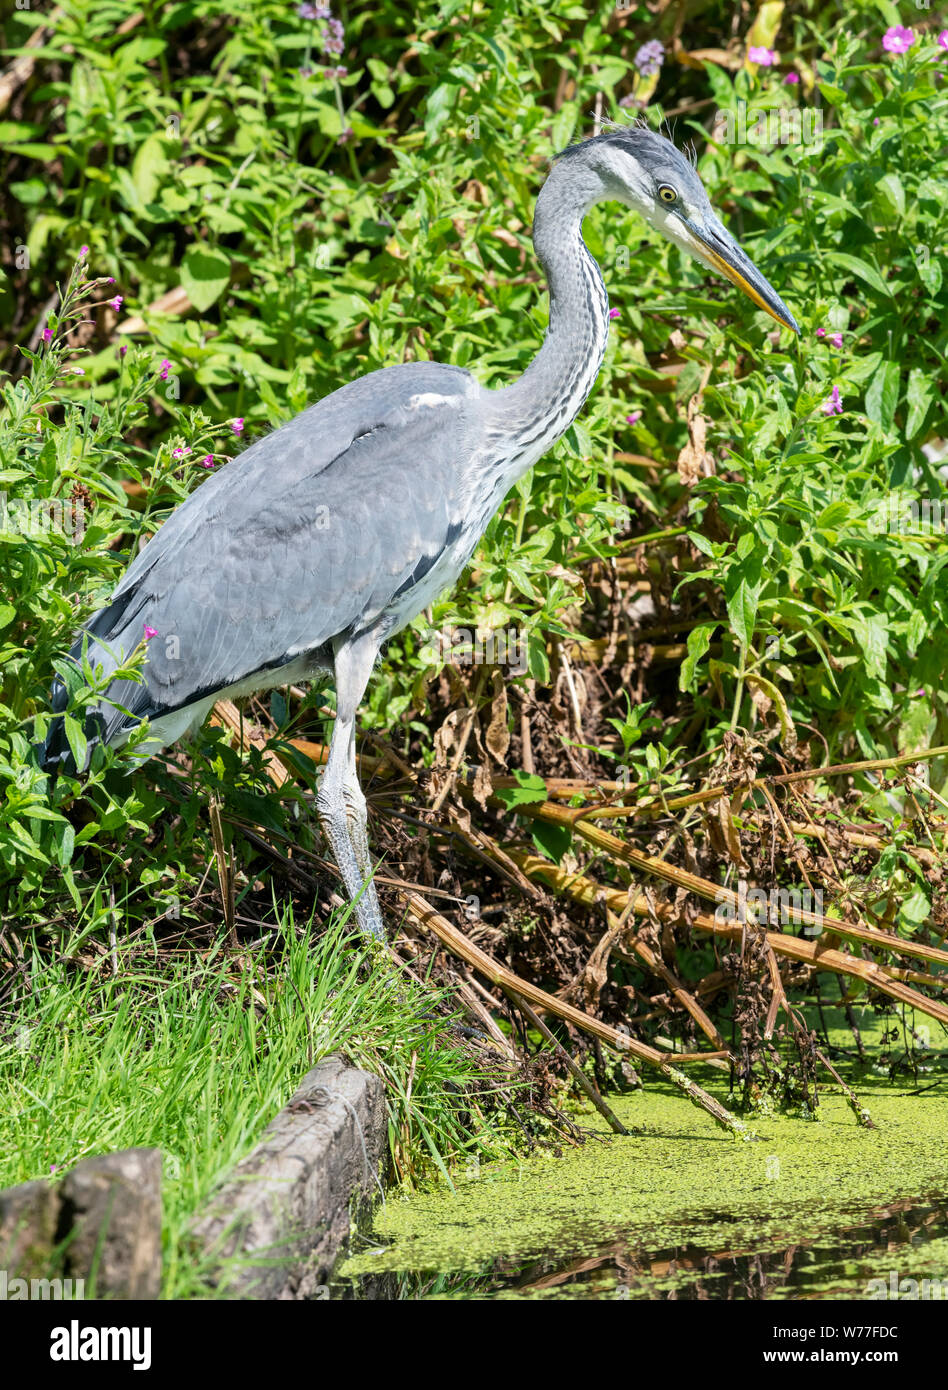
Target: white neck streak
x,y
527,418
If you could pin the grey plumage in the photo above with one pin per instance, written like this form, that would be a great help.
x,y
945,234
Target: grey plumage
x,y
302,556
290,534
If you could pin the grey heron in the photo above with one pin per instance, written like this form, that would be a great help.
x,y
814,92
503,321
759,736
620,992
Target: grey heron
x,y
301,557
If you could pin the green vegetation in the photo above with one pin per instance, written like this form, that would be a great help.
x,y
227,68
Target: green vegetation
x,y
196,1056
717,574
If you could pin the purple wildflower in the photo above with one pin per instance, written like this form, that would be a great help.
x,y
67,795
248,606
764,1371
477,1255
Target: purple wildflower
x,y
83,252
836,339
207,461
834,405
47,335
627,101
650,58
943,39
306,70
763,57
347,135
150,632
791,78
333,36
821,332
123,350
614,313
165,369
116,303
634,418
180,453
237,425
306,11
897,39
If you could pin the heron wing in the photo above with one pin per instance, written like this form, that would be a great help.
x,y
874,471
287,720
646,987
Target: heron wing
x,y
311,533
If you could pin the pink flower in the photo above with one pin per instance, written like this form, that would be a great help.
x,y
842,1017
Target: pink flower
x,y
237,425
165,369
207,461
150,632
836,339
614,313
943,39
634,418
116,303
897,39
109,280
123,350
821,332
834,405
764,57
47,335
180,453
83,251
77,371
791,79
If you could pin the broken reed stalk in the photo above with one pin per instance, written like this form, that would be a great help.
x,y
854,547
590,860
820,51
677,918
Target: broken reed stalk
x,y
498,974
579,1076
650,864
225,871
575,820
586,891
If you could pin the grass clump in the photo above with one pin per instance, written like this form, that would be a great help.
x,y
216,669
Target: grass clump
x,y
196,1055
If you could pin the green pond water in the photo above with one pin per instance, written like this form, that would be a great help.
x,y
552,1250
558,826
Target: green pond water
x,y
680,1209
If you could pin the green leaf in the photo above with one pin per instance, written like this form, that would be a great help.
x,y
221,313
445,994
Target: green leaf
x,y
742,610
930,273
891,186
148,167
699,639
438,109
872,634
529,789
552,840
65,846
564,123
919,394
882,395
859,268
204,275
77,740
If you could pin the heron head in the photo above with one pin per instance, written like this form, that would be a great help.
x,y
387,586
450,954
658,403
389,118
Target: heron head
x,y
639,167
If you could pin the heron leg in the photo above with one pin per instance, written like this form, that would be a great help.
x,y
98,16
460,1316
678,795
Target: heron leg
x,y
339,797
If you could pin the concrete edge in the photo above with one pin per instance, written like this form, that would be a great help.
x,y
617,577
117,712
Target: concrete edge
x,y
276,1227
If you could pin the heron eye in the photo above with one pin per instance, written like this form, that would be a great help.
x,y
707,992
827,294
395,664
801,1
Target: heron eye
x,y
667,193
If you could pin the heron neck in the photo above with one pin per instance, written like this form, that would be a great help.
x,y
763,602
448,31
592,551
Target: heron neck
x,y
538,408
